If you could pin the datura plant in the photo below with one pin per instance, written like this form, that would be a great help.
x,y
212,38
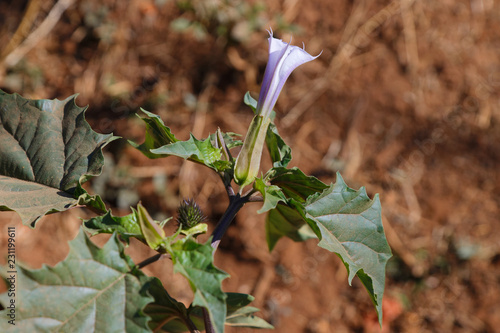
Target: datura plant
x,y
47,152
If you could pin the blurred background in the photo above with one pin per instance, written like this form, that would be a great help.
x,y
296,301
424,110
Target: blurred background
x,y
404,99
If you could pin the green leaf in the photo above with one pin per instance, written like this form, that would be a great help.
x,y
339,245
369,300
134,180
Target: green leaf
x,y
250,101
202,152
272,195
195,262
125,226
48,150
160,142
195,231
92,290
241,315
281,153
167,314
173,317
229,139
157,135
350,225
285,220
295,184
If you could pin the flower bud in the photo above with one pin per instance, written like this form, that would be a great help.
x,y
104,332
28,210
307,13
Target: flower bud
x,y
283,59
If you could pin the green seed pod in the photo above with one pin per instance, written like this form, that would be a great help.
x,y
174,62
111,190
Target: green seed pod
x,y
189,214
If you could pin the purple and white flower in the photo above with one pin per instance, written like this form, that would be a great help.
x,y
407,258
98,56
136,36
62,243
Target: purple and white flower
x,y
283,59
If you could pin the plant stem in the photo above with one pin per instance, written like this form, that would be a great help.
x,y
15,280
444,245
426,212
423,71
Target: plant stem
x,y
235,204
191,326
209,328
152,259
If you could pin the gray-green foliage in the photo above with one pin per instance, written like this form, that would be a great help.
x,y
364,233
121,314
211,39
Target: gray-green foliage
x,y
92,290
47,151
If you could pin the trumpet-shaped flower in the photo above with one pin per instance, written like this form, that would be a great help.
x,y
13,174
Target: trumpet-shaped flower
x,y
283,59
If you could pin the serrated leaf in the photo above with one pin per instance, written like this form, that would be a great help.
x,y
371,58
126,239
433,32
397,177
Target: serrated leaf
x,y
125,226
92,290
167,314
295,184
241,315
285,220
272,195
202,152
160,142
157,135
48,150
350,225
195,262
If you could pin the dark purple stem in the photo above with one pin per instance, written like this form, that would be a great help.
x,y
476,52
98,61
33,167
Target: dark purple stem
x,y
235,204
209,328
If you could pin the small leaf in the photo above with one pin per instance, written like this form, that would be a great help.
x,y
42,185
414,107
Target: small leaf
x,y
272,195
194,150
229,139
157,135
167,314
195,262
350,225
160,142
287,217
250,101
174,317
48,150
295,184
241,315
92,290
125,226
285,220
198,229
281,153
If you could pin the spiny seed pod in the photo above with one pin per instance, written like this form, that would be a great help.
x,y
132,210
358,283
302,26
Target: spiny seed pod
x,y
189,214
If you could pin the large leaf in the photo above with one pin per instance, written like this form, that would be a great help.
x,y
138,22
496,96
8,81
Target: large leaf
x,y
92,290
350,225
195,262
47,151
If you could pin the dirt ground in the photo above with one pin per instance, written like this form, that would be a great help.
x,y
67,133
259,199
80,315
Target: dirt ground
x,y
404,99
